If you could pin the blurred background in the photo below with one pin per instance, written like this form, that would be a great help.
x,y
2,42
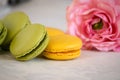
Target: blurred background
x,y
51,13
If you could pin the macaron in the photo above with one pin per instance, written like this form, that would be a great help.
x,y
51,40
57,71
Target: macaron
x,y
63,47
54,31
29,42
3,33
14,22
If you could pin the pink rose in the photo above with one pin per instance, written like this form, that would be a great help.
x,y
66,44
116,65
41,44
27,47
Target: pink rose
x,y
96,22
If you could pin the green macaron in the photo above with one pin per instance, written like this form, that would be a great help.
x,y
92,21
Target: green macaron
x,y
29,42
3,33
14,22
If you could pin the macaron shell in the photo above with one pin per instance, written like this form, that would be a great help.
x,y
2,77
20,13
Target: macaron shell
x,y
62,56
27,40
14,22
63,43
54,31
40,48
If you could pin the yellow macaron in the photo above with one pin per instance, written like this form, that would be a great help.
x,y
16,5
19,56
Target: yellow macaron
x,y
54,31
63,47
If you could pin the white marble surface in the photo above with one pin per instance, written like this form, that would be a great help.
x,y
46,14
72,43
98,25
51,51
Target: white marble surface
x,y
91,65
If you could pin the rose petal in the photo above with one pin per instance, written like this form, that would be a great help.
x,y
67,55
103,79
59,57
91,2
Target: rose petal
x,y
97,38
117,49
118,23
72,28
105,46
103,16
110,10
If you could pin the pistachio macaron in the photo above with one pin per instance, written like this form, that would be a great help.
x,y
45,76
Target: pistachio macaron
x,y
3,33
63,47
14,22
29,42
54,31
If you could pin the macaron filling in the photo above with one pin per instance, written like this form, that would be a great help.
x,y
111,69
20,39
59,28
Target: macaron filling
x,y
3,34
1,27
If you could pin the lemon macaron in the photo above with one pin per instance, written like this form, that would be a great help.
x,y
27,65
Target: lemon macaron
x,y
63,47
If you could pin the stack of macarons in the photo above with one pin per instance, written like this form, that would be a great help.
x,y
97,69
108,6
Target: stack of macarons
x,y
14,22
26,41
